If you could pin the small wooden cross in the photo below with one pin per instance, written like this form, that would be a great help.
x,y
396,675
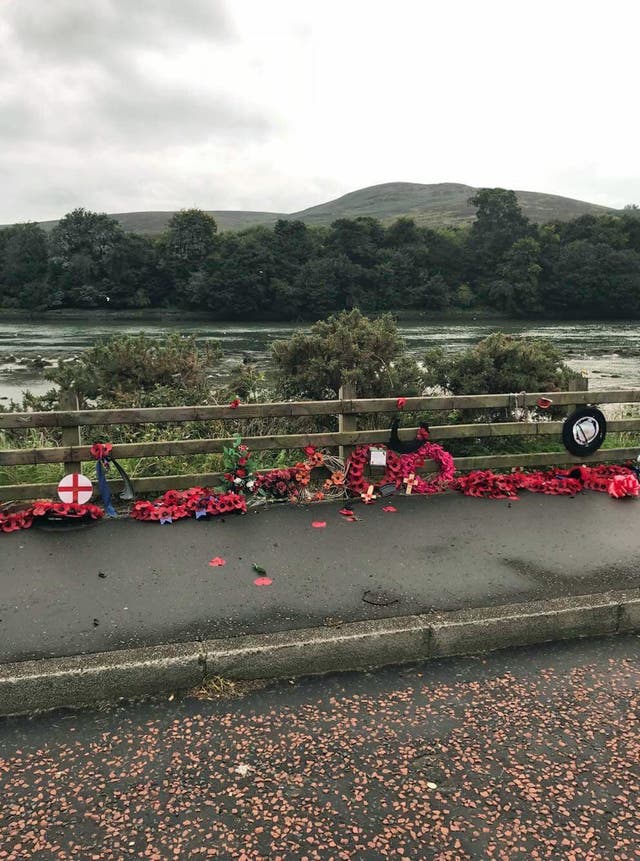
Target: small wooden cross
x,y
369,496
411,482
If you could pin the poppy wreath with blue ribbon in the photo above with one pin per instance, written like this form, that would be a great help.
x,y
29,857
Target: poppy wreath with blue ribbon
x,y
101,452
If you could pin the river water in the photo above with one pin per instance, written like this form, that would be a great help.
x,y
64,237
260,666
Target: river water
x,y
608,351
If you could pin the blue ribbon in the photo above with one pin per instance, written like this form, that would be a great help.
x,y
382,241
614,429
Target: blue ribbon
x,y
105,491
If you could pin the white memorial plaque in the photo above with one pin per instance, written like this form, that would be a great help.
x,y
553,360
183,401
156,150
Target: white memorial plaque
x,y
378,457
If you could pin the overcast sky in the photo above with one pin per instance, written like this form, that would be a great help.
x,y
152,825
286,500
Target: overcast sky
x,y
123,105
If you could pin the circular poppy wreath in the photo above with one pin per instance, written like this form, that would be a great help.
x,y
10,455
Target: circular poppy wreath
x,y
44,511
402,466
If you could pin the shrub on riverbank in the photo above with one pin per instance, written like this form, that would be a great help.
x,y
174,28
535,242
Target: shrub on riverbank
x,y
346,348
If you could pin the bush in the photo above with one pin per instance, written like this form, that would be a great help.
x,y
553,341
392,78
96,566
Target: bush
x,y
346,348
137,371
500,363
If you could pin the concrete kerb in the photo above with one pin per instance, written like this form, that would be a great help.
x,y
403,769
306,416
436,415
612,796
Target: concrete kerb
x,y
84,680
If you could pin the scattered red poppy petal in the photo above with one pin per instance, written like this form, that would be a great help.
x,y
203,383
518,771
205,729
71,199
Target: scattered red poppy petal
x,y
217,561
400,403
389,508
319,524
347,512
263,581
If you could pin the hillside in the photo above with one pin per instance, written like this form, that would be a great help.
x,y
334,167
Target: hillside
x,y
442,203
433,205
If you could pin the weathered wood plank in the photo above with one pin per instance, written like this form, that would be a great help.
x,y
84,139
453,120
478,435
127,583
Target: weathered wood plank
x,y
554,458
71,439
158,415
161,415
182,448
458,402
347,422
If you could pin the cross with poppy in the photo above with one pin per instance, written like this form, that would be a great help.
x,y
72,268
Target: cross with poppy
x,y
411,482
369,496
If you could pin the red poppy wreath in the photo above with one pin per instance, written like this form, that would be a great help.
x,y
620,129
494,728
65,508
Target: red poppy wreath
x,y
402,468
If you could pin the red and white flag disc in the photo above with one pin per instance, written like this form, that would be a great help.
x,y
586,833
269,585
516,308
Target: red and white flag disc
x,y
75,488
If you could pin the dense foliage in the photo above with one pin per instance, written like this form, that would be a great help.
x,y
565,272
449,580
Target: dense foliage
x,y
587,267
346,348
500,363
139,371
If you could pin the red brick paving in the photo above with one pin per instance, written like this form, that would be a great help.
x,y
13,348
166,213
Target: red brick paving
x,y
533,754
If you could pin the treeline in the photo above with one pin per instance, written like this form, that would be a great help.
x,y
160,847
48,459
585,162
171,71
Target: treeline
x,y
587,267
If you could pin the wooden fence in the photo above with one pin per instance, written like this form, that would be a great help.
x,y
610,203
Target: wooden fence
x,y
347,408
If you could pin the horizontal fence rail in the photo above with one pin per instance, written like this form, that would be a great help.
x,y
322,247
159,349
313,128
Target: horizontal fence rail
x,y
345,408
159,415
177,448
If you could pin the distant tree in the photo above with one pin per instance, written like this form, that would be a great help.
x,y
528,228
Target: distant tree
x,y
294,244
359,239
631,223
83,247
463,296
447,252
23,268
133,275
346,348
234,281
516,290
188,241
593,280
403,231
597,229
406,273
499,223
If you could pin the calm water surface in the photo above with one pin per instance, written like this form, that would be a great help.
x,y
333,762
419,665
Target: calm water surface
x,y
608,351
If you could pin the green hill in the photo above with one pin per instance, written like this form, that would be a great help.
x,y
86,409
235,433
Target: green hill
x,y
434,205
439,204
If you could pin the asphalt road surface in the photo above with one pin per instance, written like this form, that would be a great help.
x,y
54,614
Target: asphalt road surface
x,y
527,754
121,584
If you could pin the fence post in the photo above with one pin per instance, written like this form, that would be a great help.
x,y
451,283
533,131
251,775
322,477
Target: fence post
x,y
580,384
70,433
347,421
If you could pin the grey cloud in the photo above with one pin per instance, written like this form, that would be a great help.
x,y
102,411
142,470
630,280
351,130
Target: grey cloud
x,y
18,121
167,116
134,112
95,90
66,31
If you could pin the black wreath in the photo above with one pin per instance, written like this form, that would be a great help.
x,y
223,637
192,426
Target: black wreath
x,y
584,431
